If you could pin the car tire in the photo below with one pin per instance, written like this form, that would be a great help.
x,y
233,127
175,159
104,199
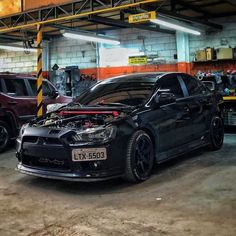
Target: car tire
x,y
4,135
140,157
216,133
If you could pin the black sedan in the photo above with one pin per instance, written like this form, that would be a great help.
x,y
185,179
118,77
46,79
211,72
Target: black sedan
x,y
121,127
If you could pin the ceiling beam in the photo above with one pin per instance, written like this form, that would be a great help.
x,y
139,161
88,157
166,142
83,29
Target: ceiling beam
x,y
192,7
190,19
232,2
122,24
202,5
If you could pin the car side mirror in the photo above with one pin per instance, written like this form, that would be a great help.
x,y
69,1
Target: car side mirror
x,y
165,98
210,85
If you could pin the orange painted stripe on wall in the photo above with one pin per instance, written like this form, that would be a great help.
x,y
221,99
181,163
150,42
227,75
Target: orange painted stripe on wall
x,y
108,72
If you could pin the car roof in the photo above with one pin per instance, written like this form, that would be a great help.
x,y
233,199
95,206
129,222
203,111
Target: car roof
x,y
150,77
9,75
16,75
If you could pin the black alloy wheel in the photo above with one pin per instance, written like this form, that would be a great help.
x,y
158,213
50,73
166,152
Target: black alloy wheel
x,y
140,157
216,133
4,135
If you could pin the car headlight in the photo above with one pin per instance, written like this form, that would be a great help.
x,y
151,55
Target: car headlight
x,y
99,134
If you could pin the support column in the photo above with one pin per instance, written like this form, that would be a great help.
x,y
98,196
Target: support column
x,y
182,40
39,72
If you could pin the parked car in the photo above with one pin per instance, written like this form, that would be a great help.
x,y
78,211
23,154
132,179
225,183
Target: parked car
x,y
121,127
18,103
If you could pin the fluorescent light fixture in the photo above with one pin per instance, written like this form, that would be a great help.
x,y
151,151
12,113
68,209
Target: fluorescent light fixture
x,y
17,48
175,26
90,37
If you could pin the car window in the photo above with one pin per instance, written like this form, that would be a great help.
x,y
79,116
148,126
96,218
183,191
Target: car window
x,y
129,93
194,86
46,89
16,87
171,82
0,85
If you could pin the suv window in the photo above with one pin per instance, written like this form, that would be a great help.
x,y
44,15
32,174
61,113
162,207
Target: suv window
x,y
16,87
171,82
194,86
46,89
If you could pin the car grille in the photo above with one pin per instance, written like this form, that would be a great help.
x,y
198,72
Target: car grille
x,y
48,163
46,153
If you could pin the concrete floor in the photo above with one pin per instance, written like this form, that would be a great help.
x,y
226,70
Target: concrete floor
x,y
192,195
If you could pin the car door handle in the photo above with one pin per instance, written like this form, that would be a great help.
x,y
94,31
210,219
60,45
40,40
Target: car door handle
x,y
12,102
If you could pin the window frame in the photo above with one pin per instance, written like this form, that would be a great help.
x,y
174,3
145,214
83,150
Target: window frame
x,y
5,91
180,85
193,78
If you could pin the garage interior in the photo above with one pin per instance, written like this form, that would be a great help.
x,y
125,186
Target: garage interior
x,y
191,195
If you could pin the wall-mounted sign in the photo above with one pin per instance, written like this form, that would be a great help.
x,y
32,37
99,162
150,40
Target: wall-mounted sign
x,y
138,60
142,17
9,7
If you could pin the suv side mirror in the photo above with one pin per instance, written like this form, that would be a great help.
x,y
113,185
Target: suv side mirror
x,y
54,94
165,98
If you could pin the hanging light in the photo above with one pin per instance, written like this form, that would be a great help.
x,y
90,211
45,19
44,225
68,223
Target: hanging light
x,y
175,26
89,37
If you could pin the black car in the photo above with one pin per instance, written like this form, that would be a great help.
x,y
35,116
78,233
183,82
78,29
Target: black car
x,y
120,127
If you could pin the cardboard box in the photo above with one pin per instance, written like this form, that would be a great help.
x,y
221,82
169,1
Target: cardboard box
x,y
224,53
209,54
200,55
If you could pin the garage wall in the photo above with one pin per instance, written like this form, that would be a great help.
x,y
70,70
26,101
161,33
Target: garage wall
x,y
68,52
17,61
158,46
224,38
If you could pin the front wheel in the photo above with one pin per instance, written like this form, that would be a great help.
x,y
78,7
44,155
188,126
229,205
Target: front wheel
x,y
4,136
140,157
216,133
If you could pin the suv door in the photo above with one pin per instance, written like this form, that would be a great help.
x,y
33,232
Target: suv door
x,y
200,102
47,91
17,98
175,128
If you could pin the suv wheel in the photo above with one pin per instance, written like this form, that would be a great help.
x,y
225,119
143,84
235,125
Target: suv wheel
x,y
140,157
216,133
4,135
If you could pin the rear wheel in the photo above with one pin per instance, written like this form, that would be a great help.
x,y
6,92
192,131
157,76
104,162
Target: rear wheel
x,y
140,157
4,136
216,133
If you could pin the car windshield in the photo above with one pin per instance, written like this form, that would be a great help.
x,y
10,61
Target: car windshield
x,y
126,90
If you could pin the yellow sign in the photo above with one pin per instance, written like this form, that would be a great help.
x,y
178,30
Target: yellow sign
x,y
142,17
138,60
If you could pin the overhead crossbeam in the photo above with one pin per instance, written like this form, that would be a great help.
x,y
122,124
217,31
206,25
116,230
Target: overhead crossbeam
x,y
122,24
89,7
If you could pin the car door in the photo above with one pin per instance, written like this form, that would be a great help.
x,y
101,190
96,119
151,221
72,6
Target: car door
x,y
200,103
175,127
18,99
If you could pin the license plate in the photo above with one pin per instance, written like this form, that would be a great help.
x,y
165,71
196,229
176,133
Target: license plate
x,y
89,154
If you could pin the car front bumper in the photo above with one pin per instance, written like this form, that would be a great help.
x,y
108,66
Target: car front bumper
x,y
48,156
77,177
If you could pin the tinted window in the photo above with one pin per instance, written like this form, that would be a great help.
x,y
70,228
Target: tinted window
x,y
193,85
16,87
171,82
46,88
129,93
